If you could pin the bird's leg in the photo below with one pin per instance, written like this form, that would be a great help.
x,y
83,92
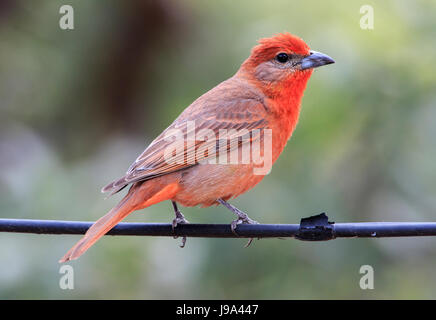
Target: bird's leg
x,y
180,218
242,218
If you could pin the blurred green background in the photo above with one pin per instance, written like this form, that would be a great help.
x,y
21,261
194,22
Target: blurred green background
x,y
77,107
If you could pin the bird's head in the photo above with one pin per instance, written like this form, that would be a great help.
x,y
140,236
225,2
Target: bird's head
x,y
283,60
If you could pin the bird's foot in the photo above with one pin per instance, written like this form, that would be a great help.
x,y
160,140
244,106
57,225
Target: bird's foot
x,y
243,218
179,219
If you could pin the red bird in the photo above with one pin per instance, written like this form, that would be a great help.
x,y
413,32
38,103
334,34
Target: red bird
x,y
260,103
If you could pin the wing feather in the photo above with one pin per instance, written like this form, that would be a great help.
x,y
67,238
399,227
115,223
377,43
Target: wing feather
x,y
247,113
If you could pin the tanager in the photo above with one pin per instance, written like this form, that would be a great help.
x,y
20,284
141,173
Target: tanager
x,y
259,105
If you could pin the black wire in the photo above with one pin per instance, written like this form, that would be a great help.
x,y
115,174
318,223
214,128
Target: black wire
x,y
317,232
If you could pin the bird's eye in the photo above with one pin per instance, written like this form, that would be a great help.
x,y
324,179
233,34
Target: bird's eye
x,y
282,57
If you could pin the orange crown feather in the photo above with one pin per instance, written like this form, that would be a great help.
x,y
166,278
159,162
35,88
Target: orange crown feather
x,y
269,47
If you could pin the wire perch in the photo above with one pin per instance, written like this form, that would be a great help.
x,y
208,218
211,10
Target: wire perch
x,y
315,228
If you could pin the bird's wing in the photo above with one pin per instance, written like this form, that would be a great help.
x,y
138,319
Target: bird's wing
x,y
168,154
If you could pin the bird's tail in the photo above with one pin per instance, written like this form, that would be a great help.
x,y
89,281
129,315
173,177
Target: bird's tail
x,y
138,197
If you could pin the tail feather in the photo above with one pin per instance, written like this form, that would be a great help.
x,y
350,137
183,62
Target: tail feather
x,y
134,200
99,229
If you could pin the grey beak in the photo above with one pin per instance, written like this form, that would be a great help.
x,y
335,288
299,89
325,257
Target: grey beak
x,y
315,59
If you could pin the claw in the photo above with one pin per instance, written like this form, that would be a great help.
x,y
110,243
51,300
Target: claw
x,y
183,242
249,242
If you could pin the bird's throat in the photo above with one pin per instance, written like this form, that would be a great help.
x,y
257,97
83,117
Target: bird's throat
x,y
287,106
288,95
